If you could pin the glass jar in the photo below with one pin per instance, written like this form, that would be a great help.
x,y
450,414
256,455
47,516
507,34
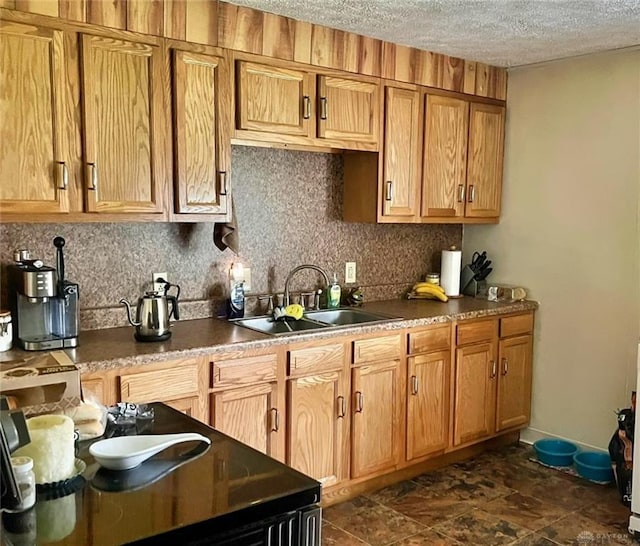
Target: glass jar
x,y
433,278
26,480
6,332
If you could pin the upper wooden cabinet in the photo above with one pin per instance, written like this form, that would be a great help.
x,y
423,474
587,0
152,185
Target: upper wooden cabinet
x,y
285,103
202,145
445,156
441,162
484,168
34,157
122,106
401,153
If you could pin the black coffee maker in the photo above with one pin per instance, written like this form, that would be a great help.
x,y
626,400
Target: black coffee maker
x,y
13,434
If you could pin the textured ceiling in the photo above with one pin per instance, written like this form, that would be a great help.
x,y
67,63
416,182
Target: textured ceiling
x,y
497,32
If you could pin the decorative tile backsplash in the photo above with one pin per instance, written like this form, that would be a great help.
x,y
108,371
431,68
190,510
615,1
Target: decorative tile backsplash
x,y
288,207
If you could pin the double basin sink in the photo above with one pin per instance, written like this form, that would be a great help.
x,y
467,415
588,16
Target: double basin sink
x,y
313,320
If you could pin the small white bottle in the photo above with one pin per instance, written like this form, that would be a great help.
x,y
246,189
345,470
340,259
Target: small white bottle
x,y
334,293
26,481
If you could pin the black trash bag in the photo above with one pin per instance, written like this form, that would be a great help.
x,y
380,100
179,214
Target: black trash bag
x,y
621,451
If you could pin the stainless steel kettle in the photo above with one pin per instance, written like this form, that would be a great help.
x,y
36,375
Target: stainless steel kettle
x,y
152,315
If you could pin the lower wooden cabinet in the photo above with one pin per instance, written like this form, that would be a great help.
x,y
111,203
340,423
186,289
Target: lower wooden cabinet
x,y
475,378
514,382
428,386
377,417
250,415
318,426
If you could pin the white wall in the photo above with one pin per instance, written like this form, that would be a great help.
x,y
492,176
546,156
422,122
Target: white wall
x,y
569,233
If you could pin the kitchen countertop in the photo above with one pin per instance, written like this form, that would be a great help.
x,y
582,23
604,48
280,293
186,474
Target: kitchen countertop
x,y
116,347
185,493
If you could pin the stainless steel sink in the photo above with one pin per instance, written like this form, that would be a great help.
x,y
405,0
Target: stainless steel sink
x,y
267,325
313,320
347,317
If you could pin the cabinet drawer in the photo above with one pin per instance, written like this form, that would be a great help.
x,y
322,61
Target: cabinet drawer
x,y
244,371
160,384
436,338
316,359
378,348
474,332
514,326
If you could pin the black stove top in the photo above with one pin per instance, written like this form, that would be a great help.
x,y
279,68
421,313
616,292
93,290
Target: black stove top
x,y
189,488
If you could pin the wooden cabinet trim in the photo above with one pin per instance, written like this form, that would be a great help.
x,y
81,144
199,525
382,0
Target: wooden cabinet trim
x,y
378,348
244,371
432,338
516,325
162,384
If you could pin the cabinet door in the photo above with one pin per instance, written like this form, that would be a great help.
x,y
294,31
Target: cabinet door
x,y
318,426
34,163
123,105
484,166
428,403
475,392
188,406
445,156
250,415
401,172
348,109
377,431
275,100
514,382
202,103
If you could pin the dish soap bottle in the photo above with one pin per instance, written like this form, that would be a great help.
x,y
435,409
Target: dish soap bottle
x,y
333,299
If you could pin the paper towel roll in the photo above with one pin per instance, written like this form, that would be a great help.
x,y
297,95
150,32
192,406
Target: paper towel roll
x,y
450,271
51,447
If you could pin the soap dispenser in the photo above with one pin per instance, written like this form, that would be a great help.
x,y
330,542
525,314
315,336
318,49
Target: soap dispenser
x,y
235,305
333,294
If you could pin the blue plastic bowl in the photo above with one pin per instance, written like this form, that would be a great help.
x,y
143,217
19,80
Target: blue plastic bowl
x,y
594,465
555,452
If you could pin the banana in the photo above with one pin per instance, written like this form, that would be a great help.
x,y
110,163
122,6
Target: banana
x,y
428,285
431,291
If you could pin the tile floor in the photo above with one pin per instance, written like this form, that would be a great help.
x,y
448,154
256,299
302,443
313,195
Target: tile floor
x,y
498,498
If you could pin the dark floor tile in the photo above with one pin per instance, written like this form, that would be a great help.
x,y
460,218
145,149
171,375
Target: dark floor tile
x,y
332,536
461,486
375,524
395,492
526,511
534,539
479,527
428,538
430,510
580,530
568,494
609,512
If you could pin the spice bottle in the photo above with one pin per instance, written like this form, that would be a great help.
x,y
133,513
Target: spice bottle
x,y
26,481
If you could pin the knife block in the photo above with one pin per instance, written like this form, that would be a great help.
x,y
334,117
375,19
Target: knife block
x,y
471,287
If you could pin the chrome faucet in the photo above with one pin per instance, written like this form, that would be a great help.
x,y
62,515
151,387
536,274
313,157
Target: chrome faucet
x,y
299,268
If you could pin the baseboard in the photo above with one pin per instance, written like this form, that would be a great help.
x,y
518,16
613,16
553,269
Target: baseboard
x,y
531,435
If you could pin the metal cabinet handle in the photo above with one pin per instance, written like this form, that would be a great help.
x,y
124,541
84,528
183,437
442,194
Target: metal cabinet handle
x,y
460,193
323,107
472,193
359,402
389,193
414,385
223,182
276,420
494,369
307,107
65,175
505,366
342,407
94,176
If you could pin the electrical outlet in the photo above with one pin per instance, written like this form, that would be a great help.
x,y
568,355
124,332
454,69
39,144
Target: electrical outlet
x,y
159,286
350,272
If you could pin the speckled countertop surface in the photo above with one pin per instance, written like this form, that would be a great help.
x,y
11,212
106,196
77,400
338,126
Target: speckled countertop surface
x,y
116,347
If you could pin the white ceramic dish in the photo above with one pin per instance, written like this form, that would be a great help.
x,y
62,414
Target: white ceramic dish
x,y
125,452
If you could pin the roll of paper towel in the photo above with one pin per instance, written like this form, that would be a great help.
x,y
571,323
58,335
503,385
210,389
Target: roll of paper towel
x,y
450,271
51,448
